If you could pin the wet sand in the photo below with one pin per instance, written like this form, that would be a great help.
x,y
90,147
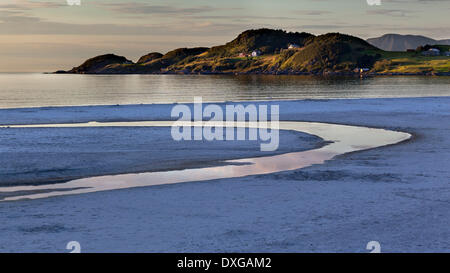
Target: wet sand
x,y
397,195
341,139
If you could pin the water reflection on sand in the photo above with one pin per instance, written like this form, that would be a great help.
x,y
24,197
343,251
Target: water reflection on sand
x,y
342,139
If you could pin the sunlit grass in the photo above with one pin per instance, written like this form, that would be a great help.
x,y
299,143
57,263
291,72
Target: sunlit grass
x,y
413,64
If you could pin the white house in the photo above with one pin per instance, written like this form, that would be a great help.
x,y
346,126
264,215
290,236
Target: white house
x,y
361,70
256,53
432,52
292,46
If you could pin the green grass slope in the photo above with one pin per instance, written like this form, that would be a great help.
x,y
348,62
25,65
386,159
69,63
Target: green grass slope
x,y
268,41
333,52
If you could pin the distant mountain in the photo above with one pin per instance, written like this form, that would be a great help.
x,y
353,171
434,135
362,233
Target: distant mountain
x,y
397,42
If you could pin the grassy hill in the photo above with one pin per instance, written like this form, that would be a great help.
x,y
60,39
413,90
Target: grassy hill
x,y
149,57
325,54
413,62
268,41
330,52
98,63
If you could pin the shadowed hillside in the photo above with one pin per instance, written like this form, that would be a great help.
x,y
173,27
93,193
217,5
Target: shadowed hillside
x,y
98,63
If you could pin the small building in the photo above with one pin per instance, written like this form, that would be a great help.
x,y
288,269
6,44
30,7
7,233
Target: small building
x,y
293,46
361,70
447,53
256,53
432,52
435,51
244,55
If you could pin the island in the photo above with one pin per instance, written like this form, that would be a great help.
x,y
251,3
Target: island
x,y
278,52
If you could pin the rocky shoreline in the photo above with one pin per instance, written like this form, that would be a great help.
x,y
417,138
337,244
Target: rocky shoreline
x,y
327,73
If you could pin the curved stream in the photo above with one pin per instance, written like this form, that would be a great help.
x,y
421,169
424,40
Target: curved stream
x,y
343,139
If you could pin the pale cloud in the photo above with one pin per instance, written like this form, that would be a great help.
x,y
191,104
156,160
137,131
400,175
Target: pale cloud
x,y
390,12
26,5
144,8
50,28
25,25
312,12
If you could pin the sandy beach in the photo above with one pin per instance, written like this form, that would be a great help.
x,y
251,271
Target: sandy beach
x,y
397,195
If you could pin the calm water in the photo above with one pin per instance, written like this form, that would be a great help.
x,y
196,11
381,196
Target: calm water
x,y
34,90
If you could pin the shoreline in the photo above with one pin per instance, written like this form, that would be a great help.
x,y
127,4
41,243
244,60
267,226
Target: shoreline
x,y
163,105
338,138
77,153
220,162
280,73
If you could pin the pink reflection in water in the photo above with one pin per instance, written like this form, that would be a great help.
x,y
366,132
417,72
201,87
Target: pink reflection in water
x,y
344,139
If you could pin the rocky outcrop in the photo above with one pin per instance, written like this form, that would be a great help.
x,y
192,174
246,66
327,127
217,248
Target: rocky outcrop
x,y
99,63
149,57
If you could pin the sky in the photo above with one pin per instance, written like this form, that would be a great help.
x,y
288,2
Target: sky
x,y
48,35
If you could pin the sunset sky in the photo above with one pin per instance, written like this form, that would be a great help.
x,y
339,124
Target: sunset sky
x,y
46,35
